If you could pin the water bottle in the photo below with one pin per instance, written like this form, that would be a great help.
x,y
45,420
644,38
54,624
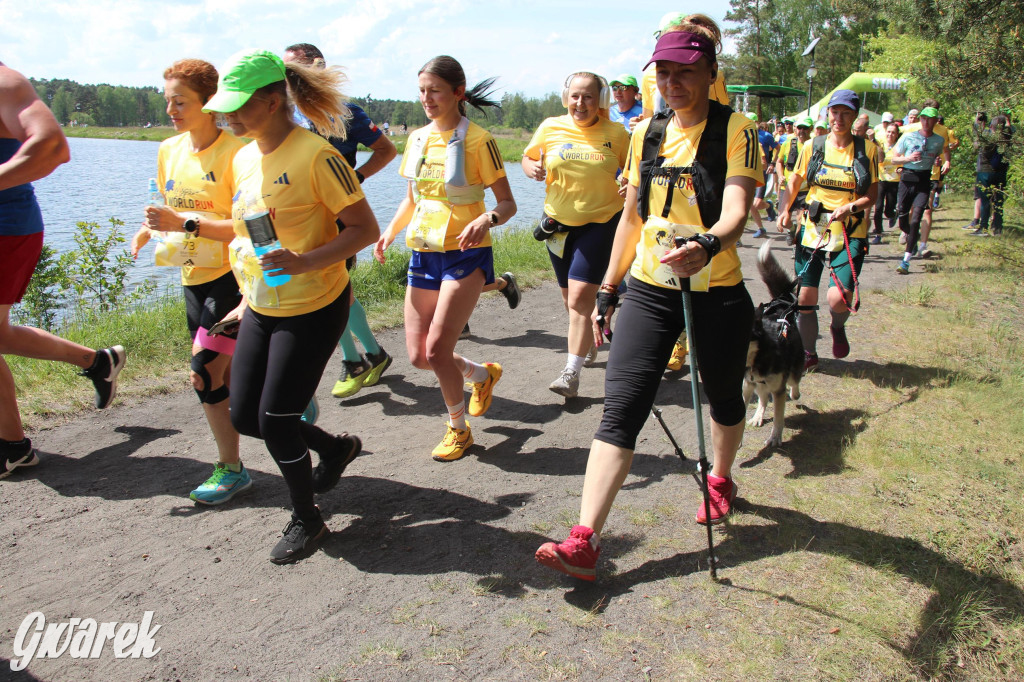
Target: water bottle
x,y
264,240
155,198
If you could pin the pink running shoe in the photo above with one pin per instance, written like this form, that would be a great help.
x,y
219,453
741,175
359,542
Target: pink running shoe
x,y
722,492
810,360
840,344
575,557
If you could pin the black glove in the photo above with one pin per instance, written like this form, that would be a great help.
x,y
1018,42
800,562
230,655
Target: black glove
x,y
605,300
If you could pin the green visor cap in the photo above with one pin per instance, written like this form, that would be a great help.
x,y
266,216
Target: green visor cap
x,y
821,124
805,123
930,112
787,119
245,73
624,79
667,21
751,115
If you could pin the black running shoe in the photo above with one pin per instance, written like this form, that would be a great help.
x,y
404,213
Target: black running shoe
x,y
465,333
16,454
511,291
333,462
103,372
299,540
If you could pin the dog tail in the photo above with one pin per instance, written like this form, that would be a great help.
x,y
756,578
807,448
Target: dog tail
x,y
774,276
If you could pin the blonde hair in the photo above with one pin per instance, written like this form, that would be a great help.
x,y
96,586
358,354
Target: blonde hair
x,y
598,81
700,24
317,93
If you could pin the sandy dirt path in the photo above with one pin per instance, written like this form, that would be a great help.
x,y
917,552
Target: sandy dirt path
x,y
429,572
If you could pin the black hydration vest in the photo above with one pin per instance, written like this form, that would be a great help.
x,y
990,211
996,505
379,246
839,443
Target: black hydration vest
x,y
794,152
861,164
707,171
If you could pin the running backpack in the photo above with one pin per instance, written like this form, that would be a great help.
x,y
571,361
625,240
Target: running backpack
x,y
794,152
861,163
707,171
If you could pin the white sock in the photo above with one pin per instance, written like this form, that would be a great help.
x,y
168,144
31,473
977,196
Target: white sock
x,y
457,415
923,246
907,256
474,373
595,540
574,363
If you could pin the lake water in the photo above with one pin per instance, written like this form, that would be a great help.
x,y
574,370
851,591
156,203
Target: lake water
x,y
110,178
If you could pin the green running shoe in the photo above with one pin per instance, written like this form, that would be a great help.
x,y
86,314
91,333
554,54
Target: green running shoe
x,y
379,362
221,486
352,379
312,412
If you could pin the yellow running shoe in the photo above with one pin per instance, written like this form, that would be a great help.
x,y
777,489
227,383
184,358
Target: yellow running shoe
x,y
480,401
454,444
352,378
675,363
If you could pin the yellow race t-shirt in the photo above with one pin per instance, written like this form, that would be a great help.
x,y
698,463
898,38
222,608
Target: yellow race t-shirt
x,y
582,165
483,167
303,183
679,149
835,184
199,183
649,88
887,170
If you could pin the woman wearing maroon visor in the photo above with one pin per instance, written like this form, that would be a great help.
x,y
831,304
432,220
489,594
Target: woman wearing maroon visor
x,y
701,187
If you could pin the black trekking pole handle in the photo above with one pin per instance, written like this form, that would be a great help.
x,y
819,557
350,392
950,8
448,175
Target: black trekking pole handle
x,y
702,458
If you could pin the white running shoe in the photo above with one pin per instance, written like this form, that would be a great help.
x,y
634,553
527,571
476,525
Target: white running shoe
x,y
567,384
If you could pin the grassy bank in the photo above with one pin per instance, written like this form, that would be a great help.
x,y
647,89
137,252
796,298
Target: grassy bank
x,y
155,134
890,545
156,335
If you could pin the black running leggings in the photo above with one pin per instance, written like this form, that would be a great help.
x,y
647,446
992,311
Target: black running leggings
x,y
647,327
276,368
915,186
885,204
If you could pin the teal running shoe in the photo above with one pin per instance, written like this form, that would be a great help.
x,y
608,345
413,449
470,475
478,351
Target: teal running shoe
x,y
221,486
312,412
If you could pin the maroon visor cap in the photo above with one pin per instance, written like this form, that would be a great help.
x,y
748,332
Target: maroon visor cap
x,y
683,48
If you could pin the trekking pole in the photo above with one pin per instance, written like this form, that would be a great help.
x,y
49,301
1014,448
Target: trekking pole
x,y
702,458
679,451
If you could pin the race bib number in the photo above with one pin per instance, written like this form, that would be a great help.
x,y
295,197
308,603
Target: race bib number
x,y
177,249
246,267
657,239
429,225
828,238
556,243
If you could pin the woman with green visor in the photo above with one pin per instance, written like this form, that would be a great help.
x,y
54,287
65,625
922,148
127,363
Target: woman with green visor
x,y
290,186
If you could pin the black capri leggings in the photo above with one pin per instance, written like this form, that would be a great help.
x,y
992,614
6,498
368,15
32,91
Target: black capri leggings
x,y
885,204
276,368
647,327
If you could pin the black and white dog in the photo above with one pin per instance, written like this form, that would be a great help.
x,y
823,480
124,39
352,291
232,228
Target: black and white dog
x,y
775,359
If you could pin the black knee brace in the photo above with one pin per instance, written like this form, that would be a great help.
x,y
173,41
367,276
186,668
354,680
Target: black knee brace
x,y
199,362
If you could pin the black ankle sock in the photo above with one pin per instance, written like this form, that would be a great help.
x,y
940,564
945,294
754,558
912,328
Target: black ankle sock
x,y
101,360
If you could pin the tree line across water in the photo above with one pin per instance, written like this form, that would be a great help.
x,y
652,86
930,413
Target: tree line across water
x,y
118,106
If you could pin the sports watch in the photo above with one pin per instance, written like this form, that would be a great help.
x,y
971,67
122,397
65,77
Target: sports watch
x,y
191,226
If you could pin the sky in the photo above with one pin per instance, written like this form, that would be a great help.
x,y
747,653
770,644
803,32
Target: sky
x,y
530,45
